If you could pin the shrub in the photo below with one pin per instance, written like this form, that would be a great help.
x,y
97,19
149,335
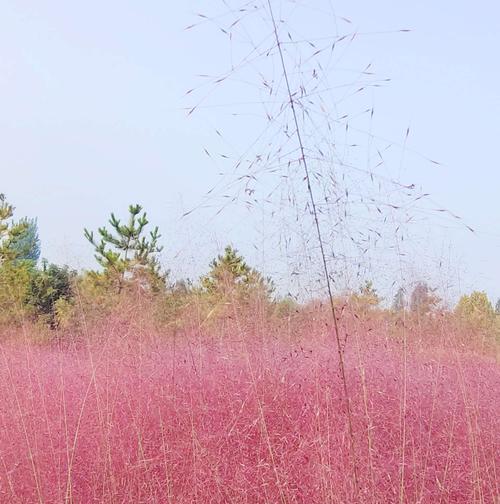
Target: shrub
x,y
423,300
365,299
477,311
230,277
15,281
49,287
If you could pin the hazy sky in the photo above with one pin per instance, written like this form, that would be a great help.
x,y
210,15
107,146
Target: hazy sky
x,y
92,119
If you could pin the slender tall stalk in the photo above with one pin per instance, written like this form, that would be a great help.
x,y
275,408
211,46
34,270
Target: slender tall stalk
x,y
303,160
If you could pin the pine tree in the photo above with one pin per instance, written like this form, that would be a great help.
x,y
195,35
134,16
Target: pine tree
x,y
10,232
476,310
399,302
126,252
230,274
423,299
366,298
370,294
26,245
49,285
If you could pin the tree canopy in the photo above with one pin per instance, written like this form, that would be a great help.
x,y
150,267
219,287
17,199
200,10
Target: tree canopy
x,y
422,299
476,308
18,239
127,252
230,274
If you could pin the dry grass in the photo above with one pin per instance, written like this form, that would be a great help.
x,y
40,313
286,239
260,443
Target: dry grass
x,y
129,415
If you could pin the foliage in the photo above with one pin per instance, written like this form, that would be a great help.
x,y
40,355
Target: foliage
x,y
48,287
399,301
26,244
286,306
170,308
11,233
15,278
366,298
230,276
6,214
126,254
95,297
19,251
476,309
422,299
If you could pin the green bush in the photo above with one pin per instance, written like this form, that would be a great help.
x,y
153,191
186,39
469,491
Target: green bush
x,y
477,311
48,288
15,281
231,278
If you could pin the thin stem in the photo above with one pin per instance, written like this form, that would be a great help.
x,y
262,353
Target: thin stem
x,y
323,255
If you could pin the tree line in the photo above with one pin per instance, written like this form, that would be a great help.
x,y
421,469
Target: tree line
x,y
127,254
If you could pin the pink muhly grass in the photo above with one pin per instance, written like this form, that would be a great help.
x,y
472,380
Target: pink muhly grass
x,y
255,420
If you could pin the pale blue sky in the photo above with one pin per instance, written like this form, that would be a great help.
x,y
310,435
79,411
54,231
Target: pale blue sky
x,y
92,119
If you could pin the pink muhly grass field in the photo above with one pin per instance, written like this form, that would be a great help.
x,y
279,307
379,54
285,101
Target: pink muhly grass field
x,y
248,421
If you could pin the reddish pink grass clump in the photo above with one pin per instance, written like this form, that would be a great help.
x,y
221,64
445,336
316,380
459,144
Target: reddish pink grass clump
x,y
252,421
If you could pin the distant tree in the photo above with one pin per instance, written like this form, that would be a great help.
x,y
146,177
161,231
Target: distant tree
x,y
230,274
286,306
497,307
126,252
6,214
11,233
399,301
26,244
368,290
477,309
181,287
422,299
16,269
50,285
15,278
366,298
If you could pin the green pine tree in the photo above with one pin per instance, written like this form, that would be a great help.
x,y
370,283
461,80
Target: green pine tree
x,y
476,309
127,252
230,275
49,286
26,245
16,270
422,299
11,232
399,301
